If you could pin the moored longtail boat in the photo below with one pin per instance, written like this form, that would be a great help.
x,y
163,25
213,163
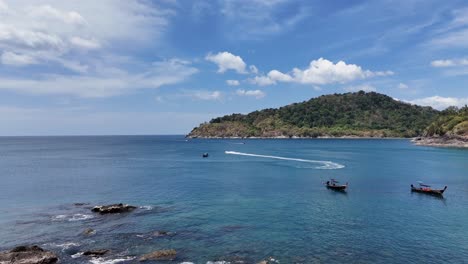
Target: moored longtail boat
x,y
424,188
335,185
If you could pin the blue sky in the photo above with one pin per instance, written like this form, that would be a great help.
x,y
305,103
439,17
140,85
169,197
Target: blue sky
x,y
163,67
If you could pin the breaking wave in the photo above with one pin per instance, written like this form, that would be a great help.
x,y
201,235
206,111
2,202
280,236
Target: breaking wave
x,y
322,163
110,261
64,246
71,218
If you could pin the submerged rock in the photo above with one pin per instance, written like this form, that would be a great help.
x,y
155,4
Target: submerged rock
x,y
113,208
166,254
162,233
96,252
28,255
89,232
80,204
270,260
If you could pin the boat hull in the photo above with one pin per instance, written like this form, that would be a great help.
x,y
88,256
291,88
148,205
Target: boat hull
x,y
428,191
337,187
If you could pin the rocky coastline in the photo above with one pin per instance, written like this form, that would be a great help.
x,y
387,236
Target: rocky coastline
x,y
442,141
33,254
294,137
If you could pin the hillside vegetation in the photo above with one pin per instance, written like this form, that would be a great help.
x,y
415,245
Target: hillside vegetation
x,y
452,122
357,114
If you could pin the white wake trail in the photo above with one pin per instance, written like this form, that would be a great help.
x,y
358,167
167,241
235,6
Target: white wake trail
x,y
325,164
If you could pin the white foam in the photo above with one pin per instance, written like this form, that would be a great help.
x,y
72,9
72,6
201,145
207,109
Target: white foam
x,y
79,217
64,246
187,262
77,255
146,207
218,262
59,217
109,261
75,217
324,164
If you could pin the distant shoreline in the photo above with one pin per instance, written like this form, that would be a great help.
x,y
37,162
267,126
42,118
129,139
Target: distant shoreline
x,y
445,142
285,137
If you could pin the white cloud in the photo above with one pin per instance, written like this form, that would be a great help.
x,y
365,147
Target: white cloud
x,y
460,17
458,39
85,43
402,86
55,34
257,19
439,102
227,61
271,78
253,93
106,82
317,88
279,76
232,82
3,7
207,95
53,28
363,87
449,63
49,12
10,58
442,63
455,34
13,38
320,72
262,80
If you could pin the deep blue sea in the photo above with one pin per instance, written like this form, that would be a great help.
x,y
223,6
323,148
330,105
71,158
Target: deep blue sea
x,y
232,207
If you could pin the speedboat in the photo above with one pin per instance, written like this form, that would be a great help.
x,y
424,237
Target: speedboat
x,y
335,185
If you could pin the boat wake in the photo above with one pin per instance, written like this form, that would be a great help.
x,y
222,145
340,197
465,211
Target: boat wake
x,y
323,164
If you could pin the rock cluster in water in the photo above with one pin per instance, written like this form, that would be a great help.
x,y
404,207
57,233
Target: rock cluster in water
x,y
28,255
113,208
166,254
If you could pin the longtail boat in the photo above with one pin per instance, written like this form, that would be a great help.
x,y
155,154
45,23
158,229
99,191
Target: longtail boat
x,y
335,185
424,188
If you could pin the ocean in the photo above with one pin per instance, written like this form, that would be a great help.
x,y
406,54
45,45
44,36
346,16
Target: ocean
x,y
250,200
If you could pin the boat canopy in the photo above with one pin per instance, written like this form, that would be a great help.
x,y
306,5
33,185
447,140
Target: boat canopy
x,y
423,185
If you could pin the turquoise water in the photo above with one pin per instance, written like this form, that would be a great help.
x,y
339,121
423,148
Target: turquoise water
x,y
230,207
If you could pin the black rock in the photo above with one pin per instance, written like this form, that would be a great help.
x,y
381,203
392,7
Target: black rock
x,y
96,252
113,208
89,232
28,255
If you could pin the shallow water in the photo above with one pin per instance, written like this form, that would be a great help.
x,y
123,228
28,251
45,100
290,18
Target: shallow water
x,y
268,201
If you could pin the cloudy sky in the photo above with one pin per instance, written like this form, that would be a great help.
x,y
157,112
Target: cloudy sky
x,y
162,67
